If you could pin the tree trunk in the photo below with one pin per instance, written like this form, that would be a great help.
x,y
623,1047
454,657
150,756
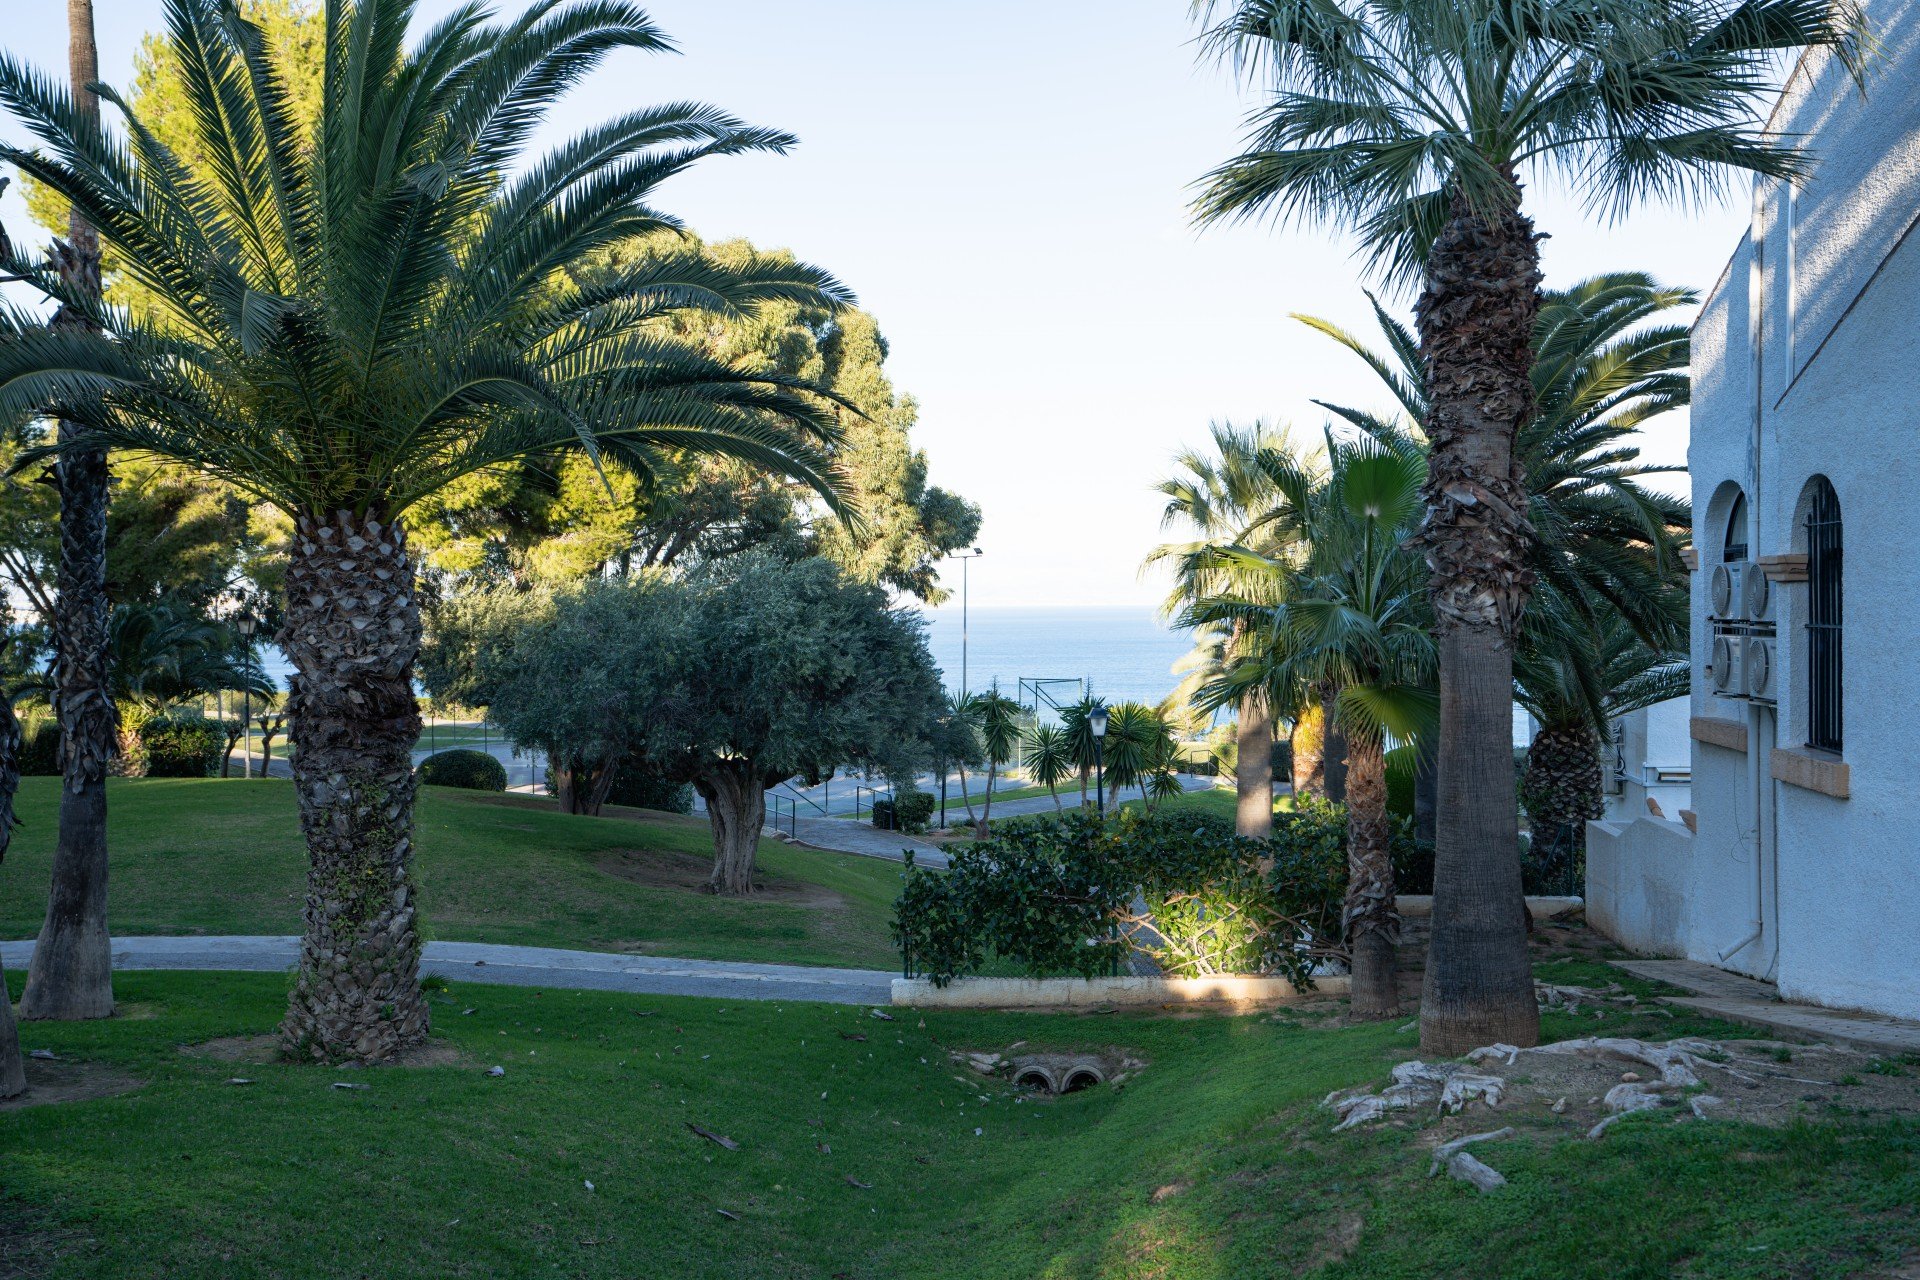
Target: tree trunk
x,y
1426,790
1476,319
737,809
1253,768
1372,924
1563,791
986,806
13,1068
71,975
1308,743
1333,751
352,631
965,798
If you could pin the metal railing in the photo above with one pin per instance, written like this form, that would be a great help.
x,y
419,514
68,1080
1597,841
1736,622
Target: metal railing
x,y
781,808
863,806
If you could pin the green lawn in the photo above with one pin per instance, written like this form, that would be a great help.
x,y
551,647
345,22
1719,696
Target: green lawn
x,y
215,856
1215,1162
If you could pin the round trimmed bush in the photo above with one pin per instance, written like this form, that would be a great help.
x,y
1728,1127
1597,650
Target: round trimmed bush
x,y
462,768
913,809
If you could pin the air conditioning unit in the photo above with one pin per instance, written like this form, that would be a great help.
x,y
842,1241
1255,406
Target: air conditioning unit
x,y
1756,592
1757,666
1727,673
1738,592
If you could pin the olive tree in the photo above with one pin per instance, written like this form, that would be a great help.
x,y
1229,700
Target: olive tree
x,y
766,670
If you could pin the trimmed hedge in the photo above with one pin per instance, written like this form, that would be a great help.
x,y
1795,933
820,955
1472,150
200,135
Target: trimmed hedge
x,y
914,809
181,744
40,754
462,768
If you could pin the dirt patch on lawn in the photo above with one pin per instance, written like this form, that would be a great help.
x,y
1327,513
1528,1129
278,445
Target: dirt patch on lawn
x,y
31,1243
263,1050
688,872
69,1080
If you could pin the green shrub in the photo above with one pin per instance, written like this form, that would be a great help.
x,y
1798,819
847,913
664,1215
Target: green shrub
x,y
1055,895
460,767
643,788
885,816
181,744
40,752
914,808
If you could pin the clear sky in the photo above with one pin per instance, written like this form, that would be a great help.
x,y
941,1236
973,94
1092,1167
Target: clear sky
x,y
1004,183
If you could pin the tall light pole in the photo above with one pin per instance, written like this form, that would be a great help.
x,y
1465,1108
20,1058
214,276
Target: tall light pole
x,y
964,557
1097,722
245,624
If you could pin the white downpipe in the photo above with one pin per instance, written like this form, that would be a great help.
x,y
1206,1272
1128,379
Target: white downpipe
x,y
1759,832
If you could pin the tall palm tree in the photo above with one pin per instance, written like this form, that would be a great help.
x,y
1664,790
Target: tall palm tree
x,y
347,323
1601,539
1354,621
71,973
1234,496
1415,126
996,718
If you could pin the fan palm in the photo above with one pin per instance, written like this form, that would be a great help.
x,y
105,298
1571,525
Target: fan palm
x,y
1236,496
343,325
1415,125
1354,621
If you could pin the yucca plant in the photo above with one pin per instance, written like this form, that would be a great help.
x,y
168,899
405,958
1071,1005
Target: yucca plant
x,y
1050,758
1416,125
344,323
996,718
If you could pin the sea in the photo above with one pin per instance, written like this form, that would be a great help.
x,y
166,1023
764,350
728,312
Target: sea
x,y
1120,654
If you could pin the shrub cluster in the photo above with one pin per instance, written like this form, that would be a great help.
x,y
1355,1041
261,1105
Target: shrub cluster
x,y
40,752
643,788
181,743
1057,896
463,768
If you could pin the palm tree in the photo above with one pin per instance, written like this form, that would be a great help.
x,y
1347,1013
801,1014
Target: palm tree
x,y
13,1068
996,718
1575,678
1415,126
1236,496
1601,540
71,973
1139,746
1354,621
162,653
348,322
1050,758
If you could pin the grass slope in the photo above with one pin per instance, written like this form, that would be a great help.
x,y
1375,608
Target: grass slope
x,y
1213,1163
212,856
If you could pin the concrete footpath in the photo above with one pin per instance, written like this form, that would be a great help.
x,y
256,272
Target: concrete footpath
x,y
521,967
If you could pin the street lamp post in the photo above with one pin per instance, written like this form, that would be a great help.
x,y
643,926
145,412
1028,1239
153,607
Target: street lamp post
x,y
1097,722
245,624
964,557
940,763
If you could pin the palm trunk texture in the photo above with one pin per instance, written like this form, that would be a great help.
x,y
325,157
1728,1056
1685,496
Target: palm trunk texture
x,y
1309,743
1476,319
71,975
352,632
737,810
1372,924
1253,769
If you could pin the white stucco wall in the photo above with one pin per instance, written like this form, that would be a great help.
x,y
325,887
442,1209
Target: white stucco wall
x,y
1836,272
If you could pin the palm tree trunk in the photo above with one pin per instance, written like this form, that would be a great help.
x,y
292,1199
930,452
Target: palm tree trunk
x,y
1563,791
737,810
1055,793
1476,317
71,975
352,630
965,798
1333,750
13,1068
986,807
1253,768
1372,925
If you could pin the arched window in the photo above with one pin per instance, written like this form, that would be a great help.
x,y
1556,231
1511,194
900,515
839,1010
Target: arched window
x,y
1823,617
1734,546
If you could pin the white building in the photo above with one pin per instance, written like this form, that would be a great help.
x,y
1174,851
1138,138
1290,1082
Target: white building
x,y
1800,860
1650,758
